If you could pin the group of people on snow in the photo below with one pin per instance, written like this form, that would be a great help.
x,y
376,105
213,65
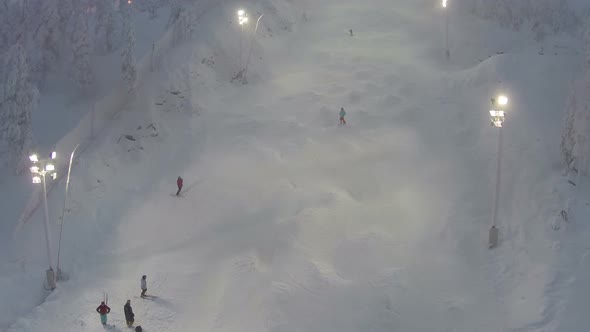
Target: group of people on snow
x,y
103,309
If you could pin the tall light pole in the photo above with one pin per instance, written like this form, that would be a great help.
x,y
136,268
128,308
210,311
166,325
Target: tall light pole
x,y
40,169
250,52
63,213
242,20
447,52
497,115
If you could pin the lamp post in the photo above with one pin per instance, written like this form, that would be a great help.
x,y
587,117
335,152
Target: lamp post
x,y
250,52
40,169
63,214
242,20
497,117
447,52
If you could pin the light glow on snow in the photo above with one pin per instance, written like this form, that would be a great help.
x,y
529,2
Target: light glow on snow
x,y
444,3
502,100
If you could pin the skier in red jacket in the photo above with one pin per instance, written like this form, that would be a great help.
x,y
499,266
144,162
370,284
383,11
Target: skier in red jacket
x,y
179,185
103,310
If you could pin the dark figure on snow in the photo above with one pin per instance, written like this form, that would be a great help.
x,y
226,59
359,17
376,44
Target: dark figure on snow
x,y
138,329
103,310
129,315
350,32
143,285
179,185
342,114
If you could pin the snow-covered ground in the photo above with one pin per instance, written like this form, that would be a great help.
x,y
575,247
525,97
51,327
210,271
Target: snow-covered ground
x,y
289,222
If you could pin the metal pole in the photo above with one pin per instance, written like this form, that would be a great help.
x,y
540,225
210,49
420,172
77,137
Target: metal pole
x,y
47,237
498,176
448,52
251,46
241,34
63,211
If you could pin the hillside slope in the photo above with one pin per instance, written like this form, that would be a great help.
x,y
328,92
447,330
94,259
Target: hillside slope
x,y
289,222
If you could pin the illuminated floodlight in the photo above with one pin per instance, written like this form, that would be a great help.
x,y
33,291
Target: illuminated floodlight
x,y
242,17
49,167
53,155
495,113
444,3
54,175
35,169
502,100
33,158
36,179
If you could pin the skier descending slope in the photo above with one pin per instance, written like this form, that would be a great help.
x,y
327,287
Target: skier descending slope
x,y
342,114
103,310
179,185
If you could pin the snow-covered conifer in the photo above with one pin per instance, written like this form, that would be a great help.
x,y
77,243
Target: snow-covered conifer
x,y
66,10
128,65
47,40
152,8
568,135
17,101
183,27
105,24
81,70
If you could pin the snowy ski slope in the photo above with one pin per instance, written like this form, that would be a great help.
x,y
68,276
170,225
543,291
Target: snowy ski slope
x,y
289,222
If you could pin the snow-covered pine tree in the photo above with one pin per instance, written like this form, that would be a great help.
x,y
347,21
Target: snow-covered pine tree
x,y
183,27
12,25
568,136
81,71
542,16
66,10
47,42
128,65
18,100
586,40
175,9
152,8
105,24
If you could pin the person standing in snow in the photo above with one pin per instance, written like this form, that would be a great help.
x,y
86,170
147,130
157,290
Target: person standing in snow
x,y
179,185
342,114
103,310
143,285
129,315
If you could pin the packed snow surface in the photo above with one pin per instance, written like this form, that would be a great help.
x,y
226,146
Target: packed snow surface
x,y
289,222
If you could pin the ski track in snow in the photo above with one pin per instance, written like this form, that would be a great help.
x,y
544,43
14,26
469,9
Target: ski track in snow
x,y
292,223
